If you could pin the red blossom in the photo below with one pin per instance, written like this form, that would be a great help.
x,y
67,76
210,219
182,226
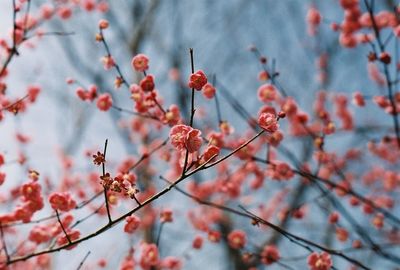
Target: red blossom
x,y
268,122
270,254
132,224
237,239
147,83
197,80
185,137
62,201
104,102
149,256
103,24
267,93
208,91
321,261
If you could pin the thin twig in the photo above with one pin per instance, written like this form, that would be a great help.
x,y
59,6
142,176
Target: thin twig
x,y
62,227
104,188
159,234
83,261
192,112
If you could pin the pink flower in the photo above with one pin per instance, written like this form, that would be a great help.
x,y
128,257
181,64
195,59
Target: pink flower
x,y
31,190
64,13
313,16
289,106
178,135
347,40
128,263
333,217
140,62
103,24
44,261
193,140
39,234
313,20
269,255
171,263
211,151
104,102
102,263
198,80
267,92
268,122
33,92
46,11
185,137
208,91
72,234
226,128
197,242
108,62
263,75
103,6
320,261
173,115
149,256
61,201
358,99
132,223
166,215
282,171
237,239
81,93
342,234
91,94
214,236
147,83
89,5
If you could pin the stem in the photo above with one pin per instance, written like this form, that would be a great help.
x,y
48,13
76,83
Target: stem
x,y
219,117
117,68
159,234
104,188
136,200
192,111
62,227
83,260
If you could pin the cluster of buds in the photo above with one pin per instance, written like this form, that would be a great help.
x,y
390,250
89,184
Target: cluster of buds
x,y
122,183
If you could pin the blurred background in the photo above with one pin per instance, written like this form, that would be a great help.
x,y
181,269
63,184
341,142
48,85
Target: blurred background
x,y
221,33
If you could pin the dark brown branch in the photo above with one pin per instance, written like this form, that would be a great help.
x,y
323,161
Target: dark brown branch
x,y
104,188
62,227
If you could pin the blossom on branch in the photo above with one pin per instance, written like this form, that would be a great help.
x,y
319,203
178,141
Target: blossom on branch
x,y
62,201
185,137
268,122
197,80
321,261
140,62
